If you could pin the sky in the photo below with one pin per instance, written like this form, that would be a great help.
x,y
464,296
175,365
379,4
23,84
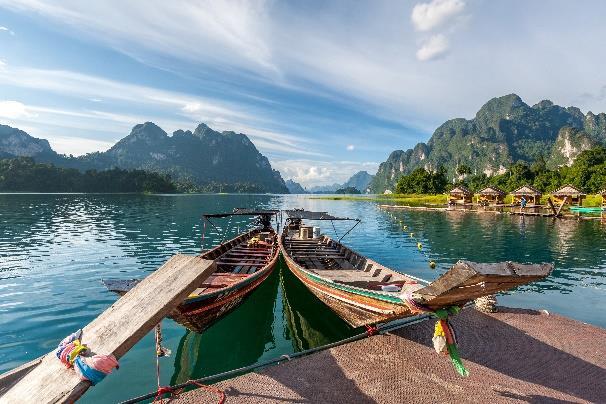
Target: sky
x,y
323,88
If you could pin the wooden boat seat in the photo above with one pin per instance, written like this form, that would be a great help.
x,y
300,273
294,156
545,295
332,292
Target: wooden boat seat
x,y
408,286
218,280
354,275
236,264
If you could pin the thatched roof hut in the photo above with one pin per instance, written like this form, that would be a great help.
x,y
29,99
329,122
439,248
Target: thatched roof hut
x,y
569,194
568,189
528,192
460,194
492,190
492,195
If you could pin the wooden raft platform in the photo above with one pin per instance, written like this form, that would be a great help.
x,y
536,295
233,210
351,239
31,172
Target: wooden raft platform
x,y
514,355
492,210
115,331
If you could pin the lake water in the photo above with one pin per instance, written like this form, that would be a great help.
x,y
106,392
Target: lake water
x,y
54,250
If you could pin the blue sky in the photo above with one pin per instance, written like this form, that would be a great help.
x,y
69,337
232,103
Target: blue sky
x,y
324,89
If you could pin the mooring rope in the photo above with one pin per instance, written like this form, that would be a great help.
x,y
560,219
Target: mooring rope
x,y
174,391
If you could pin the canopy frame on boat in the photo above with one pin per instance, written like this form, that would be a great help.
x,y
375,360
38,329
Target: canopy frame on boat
x,y
302,214
263,214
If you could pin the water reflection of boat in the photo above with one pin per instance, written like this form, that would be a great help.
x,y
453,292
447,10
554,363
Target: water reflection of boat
x,y
243,263
239,339
363,292
308,323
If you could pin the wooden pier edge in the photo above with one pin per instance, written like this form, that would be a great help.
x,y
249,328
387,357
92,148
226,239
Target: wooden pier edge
x,y
115,331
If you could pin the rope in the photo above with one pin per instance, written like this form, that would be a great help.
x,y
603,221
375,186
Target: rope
x,y
172,391
394,325
444,337
203,235
371,330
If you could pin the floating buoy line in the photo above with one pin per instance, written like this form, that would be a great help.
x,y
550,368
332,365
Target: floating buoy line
x,y
412,235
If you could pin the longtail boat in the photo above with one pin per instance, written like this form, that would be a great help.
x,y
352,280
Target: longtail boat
x,y
242,264
363,292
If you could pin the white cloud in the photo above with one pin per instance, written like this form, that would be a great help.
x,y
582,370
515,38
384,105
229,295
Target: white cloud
x,y
195,109
310,173
433,48
427,16
77,145
350,147
14,110
364,58
5,29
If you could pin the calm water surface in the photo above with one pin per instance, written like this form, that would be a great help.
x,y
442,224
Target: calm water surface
x,y
54,250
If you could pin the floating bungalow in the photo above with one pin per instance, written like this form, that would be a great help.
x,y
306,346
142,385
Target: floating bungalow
x,y
528,192
570,195
460,195
491,195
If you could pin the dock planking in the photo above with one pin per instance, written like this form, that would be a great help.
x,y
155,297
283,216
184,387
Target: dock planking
x,y
115,331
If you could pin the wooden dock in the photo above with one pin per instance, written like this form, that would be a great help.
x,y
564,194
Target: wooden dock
x,y
493,210
115,331
514,355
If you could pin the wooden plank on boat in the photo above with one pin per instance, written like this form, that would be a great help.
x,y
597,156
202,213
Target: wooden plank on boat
x,y
466,281
320,256
115,330
241,259
238,264
246,254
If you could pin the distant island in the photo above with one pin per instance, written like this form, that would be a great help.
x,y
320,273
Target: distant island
x,y
200,161
506,134
348,190
360,181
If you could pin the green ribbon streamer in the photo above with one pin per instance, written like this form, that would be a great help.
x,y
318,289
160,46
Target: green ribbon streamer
x,y
456,360
453,352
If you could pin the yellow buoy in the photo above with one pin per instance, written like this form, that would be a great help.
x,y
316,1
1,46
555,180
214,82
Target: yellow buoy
x,y
405,227
419,246
412,234
432,264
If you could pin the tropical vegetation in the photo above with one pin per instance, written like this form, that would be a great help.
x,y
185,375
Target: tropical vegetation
x,y
588,172
24,175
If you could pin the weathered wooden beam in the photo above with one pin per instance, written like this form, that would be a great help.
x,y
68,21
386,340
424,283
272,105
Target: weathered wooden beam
x,y
552,206
467,280
116,330
562,205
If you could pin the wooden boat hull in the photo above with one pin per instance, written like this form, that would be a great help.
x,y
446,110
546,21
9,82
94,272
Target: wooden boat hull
x,y
359,305
200,311
355,309
201,314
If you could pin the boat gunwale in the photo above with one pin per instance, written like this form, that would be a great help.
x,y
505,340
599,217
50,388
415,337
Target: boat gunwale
x,y
384,296
240,283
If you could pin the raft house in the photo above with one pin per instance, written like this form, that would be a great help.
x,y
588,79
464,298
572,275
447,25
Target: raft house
x,y
491,195
528,192
569,195
460,195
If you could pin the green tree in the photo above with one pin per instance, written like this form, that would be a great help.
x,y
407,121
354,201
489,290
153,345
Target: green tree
x,y
463,170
